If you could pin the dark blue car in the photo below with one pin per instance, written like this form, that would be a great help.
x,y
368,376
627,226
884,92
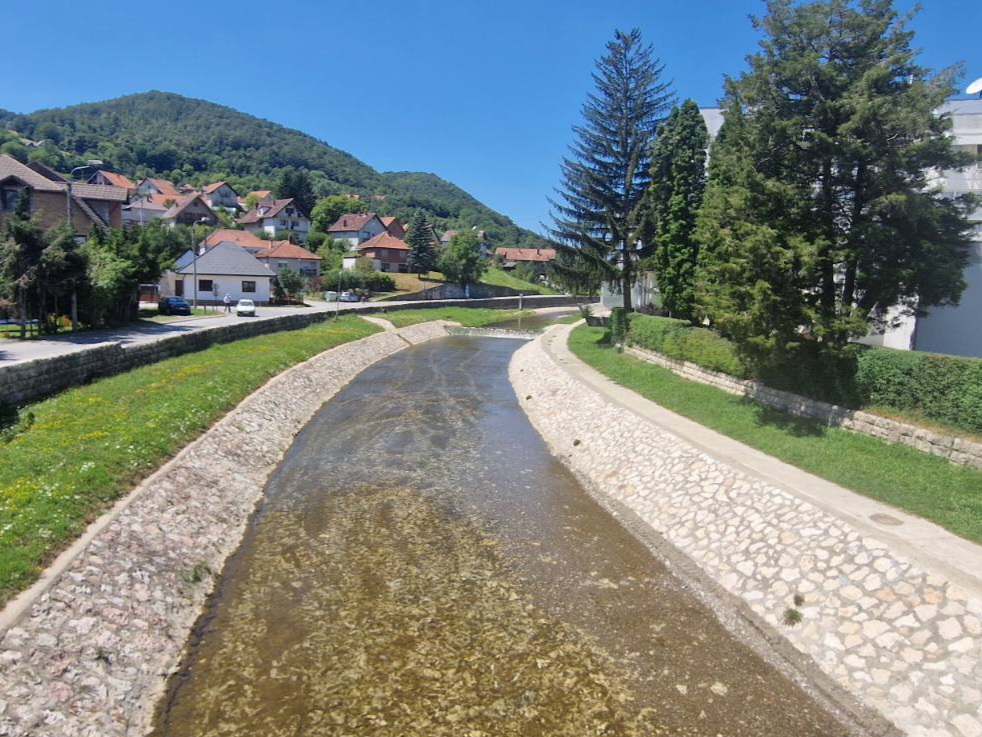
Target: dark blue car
x,y
173,306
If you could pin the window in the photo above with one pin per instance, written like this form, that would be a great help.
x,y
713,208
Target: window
x,y
282,265
248,286
205,285
9,197
383,252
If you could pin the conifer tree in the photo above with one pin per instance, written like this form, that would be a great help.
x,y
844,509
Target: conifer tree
x,y
678,180
296,185
820,215
421,258
606,174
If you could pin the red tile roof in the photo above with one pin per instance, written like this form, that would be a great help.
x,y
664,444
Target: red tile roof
x,y
116,179
394,227
209,188
526,254
239,237
351,221
383,240
183,202
285,249
163,186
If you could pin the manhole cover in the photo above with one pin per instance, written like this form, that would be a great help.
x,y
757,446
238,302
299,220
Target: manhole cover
x,y
885,519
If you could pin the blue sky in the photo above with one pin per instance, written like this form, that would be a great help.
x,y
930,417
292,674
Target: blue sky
x,y
481,93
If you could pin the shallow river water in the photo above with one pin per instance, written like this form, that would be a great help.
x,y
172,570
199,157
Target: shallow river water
x,y
421,566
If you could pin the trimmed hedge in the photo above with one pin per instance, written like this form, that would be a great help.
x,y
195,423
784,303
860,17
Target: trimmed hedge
x,y
680,340
944,388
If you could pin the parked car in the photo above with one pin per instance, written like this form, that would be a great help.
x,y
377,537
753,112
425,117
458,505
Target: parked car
x,y
350,296
173,306
245,307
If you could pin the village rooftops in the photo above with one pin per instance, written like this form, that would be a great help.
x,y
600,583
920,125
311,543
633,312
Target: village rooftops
x,y
114,178
239,237
351,222
228,259
526,254
265,210
383,240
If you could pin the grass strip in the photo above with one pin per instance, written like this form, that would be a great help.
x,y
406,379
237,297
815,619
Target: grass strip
x,y
924,485
68,458
500,278
469,317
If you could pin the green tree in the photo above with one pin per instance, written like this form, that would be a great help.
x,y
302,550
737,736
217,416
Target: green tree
x,y
21,250
296,185
820,215
422,255
606,175
290,281
678,180
328,209
461,262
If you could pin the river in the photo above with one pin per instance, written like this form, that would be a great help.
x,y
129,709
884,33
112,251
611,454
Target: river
x,y
421,565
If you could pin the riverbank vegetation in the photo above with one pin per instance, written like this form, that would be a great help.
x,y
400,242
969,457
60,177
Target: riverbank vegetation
x,y
68,458
921,484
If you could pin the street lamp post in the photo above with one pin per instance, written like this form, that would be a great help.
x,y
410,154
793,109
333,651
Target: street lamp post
x,y
337,295
68,207
194,266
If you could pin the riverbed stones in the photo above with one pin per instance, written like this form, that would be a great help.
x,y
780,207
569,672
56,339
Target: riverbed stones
x,y
906,642
91,653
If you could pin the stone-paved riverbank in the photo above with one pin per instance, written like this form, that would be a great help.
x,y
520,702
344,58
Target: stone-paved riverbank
x,y
907,642
90,655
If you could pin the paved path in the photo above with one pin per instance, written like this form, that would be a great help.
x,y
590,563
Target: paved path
x,y
892,604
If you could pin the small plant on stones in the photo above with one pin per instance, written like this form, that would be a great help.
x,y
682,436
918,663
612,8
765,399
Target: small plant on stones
x,y
197,573
576,442
792,615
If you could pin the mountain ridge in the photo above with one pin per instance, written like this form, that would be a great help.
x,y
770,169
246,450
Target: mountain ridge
x,y
194,140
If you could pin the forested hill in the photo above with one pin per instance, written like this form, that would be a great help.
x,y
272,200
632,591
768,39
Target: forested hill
x,y
196,141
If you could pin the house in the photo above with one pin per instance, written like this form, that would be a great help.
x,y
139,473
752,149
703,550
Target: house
x,y
386,252
394,227
356,228
538,257
221,194
53,200
277,216
142,211
222,269
286,255
190,209
242,238
157,186
485,247
113,179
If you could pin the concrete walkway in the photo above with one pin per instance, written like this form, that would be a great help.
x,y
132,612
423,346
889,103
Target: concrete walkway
x,y
891,604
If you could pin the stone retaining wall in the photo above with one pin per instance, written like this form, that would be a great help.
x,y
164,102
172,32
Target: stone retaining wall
x,y
904,641
90,654
957,450
32,380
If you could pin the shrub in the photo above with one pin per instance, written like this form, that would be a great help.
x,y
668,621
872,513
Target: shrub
x,y
941,387
685,342
618,325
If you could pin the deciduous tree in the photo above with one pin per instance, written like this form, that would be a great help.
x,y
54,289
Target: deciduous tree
x,y
461,262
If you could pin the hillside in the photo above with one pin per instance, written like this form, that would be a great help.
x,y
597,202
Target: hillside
x,y
196,141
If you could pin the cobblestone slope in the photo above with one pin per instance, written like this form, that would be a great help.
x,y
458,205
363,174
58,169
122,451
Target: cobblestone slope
x,y
907,643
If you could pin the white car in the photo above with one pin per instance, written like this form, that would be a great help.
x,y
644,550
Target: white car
x,y
349,296
245,307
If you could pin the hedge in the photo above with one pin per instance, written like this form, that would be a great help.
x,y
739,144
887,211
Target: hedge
x,y
680,340
941,387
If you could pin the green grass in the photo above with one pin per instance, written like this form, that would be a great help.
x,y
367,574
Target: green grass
x,y
70,457
500,278
470,317
927,486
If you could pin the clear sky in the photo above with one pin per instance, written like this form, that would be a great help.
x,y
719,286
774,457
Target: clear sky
x,y
481,93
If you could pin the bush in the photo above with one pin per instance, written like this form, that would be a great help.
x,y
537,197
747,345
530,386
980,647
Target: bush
x,y
678,339
375,281
944,388
618,325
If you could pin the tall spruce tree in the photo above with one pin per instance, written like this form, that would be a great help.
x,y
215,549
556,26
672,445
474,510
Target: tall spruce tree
x,y
820,215
421,258
678,180
606,174
297,185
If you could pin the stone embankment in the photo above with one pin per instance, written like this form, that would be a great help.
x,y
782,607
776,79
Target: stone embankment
x,y
957,450
88,650
905,641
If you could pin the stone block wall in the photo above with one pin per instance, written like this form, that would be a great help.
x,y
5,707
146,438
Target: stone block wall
x,y
32,380
956,450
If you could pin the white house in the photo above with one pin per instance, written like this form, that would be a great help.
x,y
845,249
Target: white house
x,y
356,228
223,269
277,216
157,186
221,194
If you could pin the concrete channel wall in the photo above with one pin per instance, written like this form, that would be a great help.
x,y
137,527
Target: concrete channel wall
x,y
31,380
957,450
905,641
87,651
